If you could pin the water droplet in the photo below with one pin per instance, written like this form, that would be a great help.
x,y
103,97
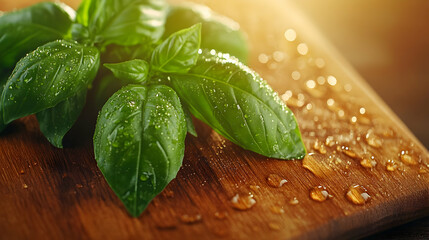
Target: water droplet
x,y
319,146
274,226
275,180
22,171
391,165
144,177
357,194
255,187
166,192
277,210
221,215
294,201
423,170
368,162
407,159
190,219
329,141
243,202
372,139
348,151
79,185
25,186
312,164
294,102
319,194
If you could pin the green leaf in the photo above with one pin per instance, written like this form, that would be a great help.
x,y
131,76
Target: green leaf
x,y
125,22
115,53
3,79
47,76
105,86
240,105
24,30
57,121
189,122
218,32
133,71
139,142
179,52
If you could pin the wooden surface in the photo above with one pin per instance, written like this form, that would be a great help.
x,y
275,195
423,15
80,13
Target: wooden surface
x,y
386,41
50,193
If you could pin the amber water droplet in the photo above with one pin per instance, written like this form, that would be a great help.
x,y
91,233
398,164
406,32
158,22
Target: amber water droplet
x,y
275,180
391,165
168,193
277,210
255,187
407,159
295,102
368,162
190,219
319,194
330,141
423,170
312,164
220,215
243,202
357,194
274,226
25,186
372,139
294,201
21,171
319,146
348,151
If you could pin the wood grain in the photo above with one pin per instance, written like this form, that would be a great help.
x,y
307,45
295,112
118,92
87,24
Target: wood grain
x,y
50,193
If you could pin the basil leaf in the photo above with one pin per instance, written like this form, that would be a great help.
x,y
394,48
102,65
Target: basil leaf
x,y
115,53
133,71
179,52
240,105
139,142
57,121
104,87
3,79
24,30
218,32
80,34
48,76
189,122
125,22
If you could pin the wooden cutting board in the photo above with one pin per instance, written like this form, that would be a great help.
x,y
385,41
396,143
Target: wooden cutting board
x,y
49,193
